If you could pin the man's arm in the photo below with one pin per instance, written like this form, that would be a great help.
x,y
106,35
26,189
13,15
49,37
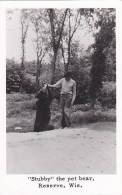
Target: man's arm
x,y
58,84
74,93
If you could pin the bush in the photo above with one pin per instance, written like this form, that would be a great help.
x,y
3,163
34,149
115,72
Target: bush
x,y
92,116
82,79
28,86
13,81
108,95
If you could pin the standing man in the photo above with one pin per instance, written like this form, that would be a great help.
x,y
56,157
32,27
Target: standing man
x,y
67,97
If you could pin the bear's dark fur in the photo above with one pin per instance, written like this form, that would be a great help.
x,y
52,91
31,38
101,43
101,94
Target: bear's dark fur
x,y
43,114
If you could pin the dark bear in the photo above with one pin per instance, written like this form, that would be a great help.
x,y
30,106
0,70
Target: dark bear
x,y
43,114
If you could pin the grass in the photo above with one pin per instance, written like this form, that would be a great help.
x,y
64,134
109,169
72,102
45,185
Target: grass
x,y
19,104
21,110
92,116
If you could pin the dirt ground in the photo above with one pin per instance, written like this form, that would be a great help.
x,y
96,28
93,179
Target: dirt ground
x,y
89,149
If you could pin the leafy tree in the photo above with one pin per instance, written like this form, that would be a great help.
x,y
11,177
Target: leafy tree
x,y
73,22
39,22
103,39
24,29
57,20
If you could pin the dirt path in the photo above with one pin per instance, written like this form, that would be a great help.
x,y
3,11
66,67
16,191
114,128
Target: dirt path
x,y
86,150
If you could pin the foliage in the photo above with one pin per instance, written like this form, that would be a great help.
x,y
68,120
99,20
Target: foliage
x,y
83,80
28,86
57,20
97,72
110,68
104,50
13,79
39,23
80,66
108,95
24,30
57,43
21,113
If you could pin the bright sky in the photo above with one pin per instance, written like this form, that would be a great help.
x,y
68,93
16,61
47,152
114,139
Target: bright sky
x,y
13,30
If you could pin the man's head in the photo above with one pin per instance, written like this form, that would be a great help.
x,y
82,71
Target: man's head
x,y
68,75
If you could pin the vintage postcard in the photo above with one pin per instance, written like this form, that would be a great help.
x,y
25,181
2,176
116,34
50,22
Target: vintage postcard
x,y
60,97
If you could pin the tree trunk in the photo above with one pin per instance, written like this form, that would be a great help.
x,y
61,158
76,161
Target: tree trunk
x,y
53,67
23,55
69,56
22,68
38,71
55,39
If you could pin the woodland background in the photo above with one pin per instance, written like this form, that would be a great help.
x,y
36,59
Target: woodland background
x,y
58,49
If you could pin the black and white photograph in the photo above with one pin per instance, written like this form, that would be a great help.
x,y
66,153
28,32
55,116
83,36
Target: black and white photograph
x,y
61,91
